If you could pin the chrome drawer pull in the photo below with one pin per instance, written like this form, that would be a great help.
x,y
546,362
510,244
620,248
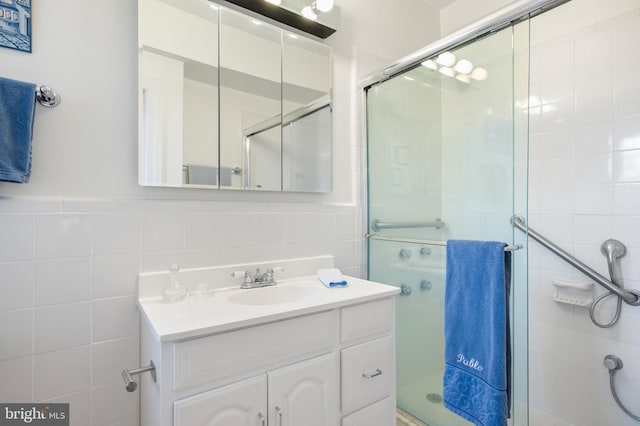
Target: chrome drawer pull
x,y
279,413
263,421
371,376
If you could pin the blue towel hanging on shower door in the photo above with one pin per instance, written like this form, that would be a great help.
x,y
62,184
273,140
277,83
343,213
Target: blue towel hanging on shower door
x,y
477,348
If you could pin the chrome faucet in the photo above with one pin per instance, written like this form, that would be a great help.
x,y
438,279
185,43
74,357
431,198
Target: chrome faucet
x,y
257,279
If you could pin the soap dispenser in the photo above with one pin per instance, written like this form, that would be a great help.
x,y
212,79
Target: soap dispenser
x,y
174,291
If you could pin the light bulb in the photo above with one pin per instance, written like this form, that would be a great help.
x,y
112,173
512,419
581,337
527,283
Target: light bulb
x,y
276,2
446,59
324,5
463,66
308,13
449,72
463,78
429,63
479,74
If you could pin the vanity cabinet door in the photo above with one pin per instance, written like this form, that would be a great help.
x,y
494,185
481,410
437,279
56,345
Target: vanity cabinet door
x,y
306,393
240,404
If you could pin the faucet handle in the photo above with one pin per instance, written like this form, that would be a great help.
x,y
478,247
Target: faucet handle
x,y
243,274
271,271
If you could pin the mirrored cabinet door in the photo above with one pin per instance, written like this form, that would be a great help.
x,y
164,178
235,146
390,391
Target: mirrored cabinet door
x,y
251,95
230,101
306,123
178,93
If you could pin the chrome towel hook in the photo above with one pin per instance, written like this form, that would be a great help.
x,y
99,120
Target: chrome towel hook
x,y
130,384
48,97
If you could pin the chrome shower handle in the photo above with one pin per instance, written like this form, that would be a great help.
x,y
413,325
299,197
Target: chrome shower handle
x,y
612,250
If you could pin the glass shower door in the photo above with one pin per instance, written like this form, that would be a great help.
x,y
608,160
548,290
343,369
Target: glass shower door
x,y
442,154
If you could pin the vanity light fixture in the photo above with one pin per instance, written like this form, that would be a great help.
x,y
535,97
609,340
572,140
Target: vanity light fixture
x,y
323,5
309,12
309,22
479,74
446,59
463,66
462,70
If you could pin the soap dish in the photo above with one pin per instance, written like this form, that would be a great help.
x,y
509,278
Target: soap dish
x,y
573,292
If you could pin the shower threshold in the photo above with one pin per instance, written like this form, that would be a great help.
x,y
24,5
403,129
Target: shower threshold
x,y
406,419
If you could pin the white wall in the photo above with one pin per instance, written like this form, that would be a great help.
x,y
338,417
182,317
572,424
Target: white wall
x,y
77,235
461,13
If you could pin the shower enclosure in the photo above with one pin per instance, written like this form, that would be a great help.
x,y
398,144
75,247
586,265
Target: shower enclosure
x,y
453,132
444,162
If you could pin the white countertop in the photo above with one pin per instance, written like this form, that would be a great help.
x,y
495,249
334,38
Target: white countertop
x,y
197,316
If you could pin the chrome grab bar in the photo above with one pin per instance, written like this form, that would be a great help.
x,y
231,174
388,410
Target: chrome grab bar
x,y
426,242
631,297
377,225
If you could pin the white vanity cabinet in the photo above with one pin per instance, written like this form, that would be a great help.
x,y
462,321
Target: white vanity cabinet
x,y
305,393
332,364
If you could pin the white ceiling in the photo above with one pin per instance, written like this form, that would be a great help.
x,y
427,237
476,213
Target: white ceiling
x,y
438,4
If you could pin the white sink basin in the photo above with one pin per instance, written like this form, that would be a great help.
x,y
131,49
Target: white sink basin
x,y
275,295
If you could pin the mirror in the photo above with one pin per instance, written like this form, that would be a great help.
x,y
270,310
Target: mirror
x,y
306,108
177,93
232,103
251,93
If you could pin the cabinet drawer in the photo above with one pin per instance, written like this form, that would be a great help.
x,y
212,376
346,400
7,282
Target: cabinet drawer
x,y
367,373
382,413
368,320
224,355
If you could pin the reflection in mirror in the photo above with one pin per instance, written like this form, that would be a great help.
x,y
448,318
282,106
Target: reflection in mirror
x,y
307,126
178,93
251,95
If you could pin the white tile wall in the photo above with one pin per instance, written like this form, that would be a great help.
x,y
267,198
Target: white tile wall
x,y
68,317
584,178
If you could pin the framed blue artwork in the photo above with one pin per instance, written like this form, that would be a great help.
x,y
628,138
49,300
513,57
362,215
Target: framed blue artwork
x,y
15,24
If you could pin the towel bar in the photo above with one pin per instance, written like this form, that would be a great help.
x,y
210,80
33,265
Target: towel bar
x,y
127,375
426,242
377,225
48,97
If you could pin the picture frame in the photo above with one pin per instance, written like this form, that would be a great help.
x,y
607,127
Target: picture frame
x,y
15,24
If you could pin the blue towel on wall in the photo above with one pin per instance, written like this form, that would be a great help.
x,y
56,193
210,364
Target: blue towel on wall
x,y
477,370
17,107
